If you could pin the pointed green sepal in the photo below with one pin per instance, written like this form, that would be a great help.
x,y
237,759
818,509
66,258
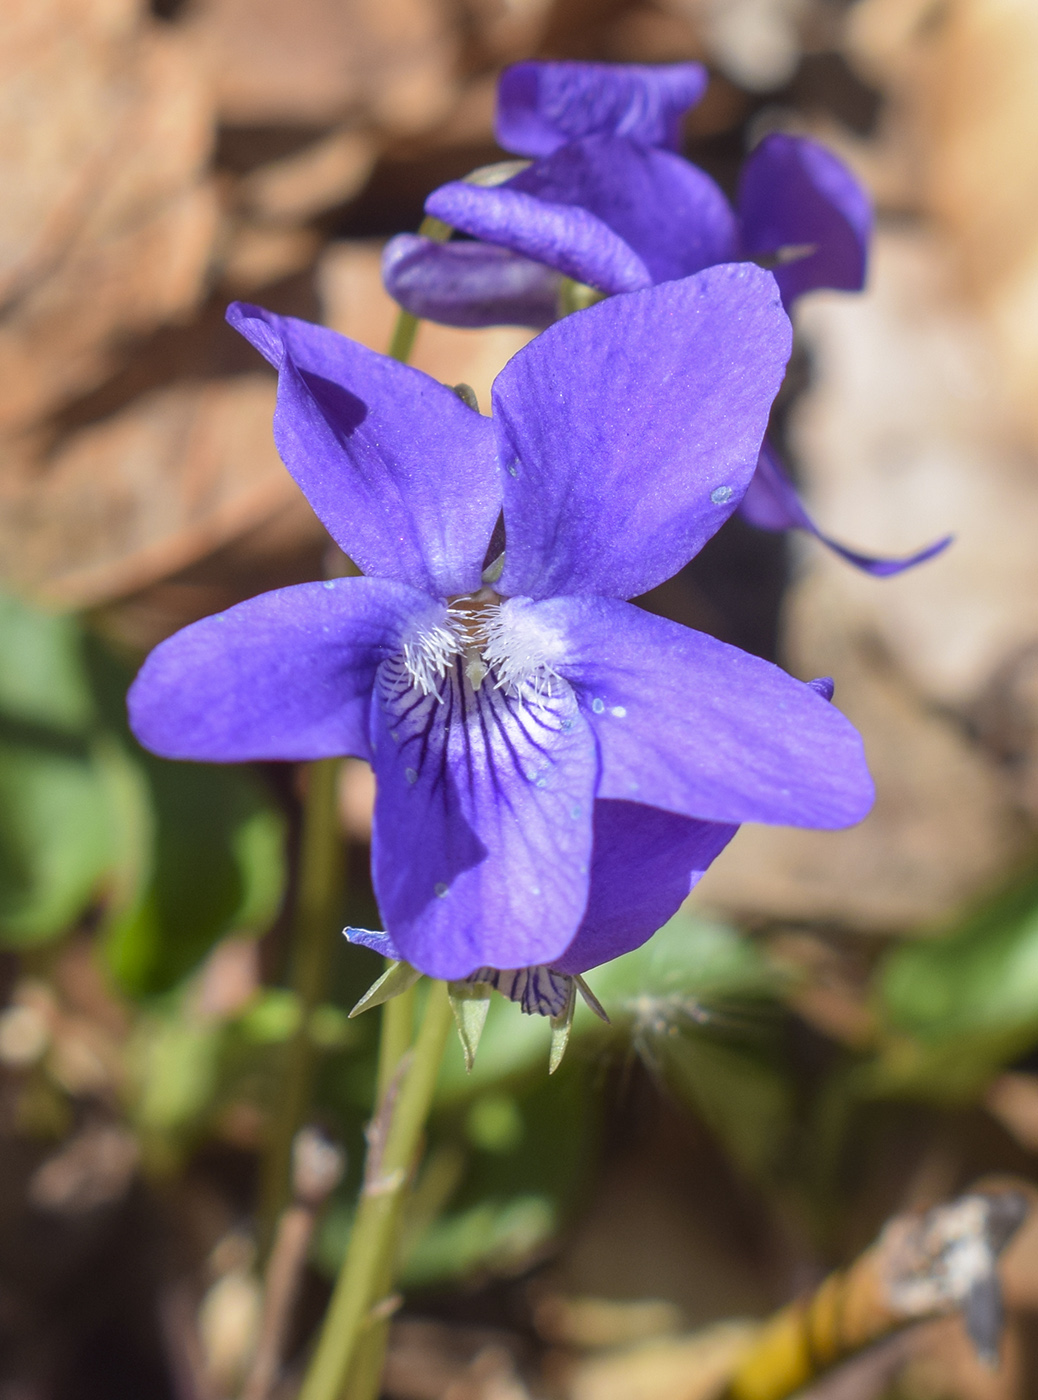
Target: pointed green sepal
x,y
591,1000
561,1025
470,1002
397,978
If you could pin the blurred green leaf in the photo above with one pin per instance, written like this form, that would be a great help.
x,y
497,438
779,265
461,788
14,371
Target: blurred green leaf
x,y
42,676
57,829
496,1235
955,1007
217,866
691,959
176,1059
56,840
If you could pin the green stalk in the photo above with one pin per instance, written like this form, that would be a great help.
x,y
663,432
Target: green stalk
x,y
315,927
376,1225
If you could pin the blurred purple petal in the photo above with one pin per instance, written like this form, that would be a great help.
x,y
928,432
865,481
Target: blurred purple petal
x,y
399,470
772,503
628,433
287,675
667,210
482,835
793,193
469,284
692,725
643,866
562,236
541,106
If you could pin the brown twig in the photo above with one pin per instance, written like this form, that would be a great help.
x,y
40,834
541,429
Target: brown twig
x,y
317,1167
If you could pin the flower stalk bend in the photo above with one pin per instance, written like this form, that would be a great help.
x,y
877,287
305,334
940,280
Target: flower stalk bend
x,y
315,927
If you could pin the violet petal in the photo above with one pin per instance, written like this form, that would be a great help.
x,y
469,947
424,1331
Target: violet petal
x,y
795,193
482,834
692,725
396,466
628,433
541,106
469,284
287,675
669,211
643,865
771,502
562,236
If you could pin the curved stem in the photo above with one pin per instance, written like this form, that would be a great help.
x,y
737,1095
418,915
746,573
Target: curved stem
x,y
316,925
399,1125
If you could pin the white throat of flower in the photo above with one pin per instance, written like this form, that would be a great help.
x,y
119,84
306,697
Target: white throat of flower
x,y
500,639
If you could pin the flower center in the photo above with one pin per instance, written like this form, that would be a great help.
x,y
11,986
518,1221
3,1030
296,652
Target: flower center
x,y
503,638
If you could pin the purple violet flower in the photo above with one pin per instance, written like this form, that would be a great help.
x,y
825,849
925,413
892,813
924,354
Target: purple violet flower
x,y
555,767
610,204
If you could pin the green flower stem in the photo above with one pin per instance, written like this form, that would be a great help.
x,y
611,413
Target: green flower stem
x,y
369,1259
395,1036
406,328
317,922
397,1031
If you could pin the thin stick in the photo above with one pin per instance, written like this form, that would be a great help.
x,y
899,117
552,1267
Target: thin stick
x,y
318,906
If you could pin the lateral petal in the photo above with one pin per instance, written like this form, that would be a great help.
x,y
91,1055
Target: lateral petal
x,y
644,864
482,834
286,675
399,470
563,236
669,211
469,284
627,433
692,725
793,193
541,106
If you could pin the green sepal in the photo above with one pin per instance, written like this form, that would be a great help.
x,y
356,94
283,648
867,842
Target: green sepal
x,y
561,1025
591,1000
397,978
470,1002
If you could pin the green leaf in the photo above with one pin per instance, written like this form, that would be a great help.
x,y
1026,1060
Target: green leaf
x,y
43,681
176,1060
56,840
217,866
956,1006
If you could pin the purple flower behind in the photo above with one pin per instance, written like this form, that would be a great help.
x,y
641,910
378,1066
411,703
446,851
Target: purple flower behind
x,y
555,767
610,204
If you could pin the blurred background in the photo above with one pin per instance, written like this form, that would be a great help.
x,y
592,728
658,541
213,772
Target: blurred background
x,y
837,1028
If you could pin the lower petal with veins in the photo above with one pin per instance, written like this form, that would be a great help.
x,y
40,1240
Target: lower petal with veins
x,y
481,844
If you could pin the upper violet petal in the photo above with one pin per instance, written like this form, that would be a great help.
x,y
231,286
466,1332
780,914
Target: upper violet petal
x,y
287,675
627,434
796,195
541,106
669,211
772,503
482,833
399,470
644,863
692,725
469,284
562,236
